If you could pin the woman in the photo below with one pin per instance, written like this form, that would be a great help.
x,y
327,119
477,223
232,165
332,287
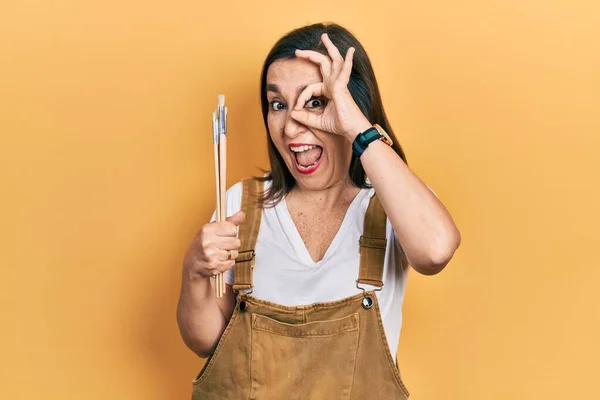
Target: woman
x,y
313,305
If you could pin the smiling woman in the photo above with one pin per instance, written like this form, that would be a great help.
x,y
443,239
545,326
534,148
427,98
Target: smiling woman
x,y
316,276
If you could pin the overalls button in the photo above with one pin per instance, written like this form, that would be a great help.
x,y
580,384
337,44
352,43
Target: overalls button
x,y
242,305
367,302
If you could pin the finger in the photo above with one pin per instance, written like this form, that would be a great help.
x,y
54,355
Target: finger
x,y
223,255
308,118
334,53
220,256
237,218
347,70
224,228
227,243
314,89
221,266
322,60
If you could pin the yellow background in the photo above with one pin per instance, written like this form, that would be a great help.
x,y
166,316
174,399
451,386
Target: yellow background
x,y
106,173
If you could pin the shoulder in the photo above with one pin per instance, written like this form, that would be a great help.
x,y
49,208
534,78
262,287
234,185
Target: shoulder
x,y
235,193
235,190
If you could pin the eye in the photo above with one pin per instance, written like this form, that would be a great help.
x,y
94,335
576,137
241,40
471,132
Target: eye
x,y
276,105
315,102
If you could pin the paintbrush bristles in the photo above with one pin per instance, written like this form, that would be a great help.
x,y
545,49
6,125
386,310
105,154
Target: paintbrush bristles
x,y
221,100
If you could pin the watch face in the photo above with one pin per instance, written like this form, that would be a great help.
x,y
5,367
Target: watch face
x,y
386,138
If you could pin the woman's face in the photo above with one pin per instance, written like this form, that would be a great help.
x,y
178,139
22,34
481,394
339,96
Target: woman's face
x,y
316,159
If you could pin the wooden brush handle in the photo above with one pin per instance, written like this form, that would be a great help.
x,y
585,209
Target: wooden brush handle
x,y
223,173
223,181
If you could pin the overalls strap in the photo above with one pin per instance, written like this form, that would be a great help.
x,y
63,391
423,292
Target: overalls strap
x,y
252,191
372,245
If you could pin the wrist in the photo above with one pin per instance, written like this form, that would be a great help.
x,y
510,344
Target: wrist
x,y
373,133
192,275
197,285
358,128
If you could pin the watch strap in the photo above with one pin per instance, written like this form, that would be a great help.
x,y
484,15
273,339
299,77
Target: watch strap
x,y
362,140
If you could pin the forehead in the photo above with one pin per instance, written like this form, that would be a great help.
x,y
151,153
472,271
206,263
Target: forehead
x,y
292,73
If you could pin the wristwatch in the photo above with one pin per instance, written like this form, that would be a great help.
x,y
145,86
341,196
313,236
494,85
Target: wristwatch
x,y
362,140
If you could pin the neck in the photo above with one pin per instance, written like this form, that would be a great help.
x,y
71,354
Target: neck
x,y
328,198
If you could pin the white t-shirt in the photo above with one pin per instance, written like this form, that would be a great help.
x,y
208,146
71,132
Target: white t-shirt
x,y
284,272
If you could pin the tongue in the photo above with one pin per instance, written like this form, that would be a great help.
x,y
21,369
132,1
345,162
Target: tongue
x,y
309,157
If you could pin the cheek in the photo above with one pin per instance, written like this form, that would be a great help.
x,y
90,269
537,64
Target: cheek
x,y
275,129
271,123
275,133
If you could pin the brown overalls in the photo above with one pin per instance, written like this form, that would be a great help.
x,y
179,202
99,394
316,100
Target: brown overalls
x,y
323,351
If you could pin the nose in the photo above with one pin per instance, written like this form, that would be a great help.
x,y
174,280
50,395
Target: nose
x,y
292,128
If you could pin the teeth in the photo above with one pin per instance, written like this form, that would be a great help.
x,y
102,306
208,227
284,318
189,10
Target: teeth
x,y
308,166
299,149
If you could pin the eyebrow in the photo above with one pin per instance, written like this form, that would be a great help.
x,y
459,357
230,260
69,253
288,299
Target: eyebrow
x,y
271,87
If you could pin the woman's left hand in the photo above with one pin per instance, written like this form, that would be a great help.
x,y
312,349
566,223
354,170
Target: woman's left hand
x,y
341,114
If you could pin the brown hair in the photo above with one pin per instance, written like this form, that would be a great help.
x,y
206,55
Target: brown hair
x,y
362,86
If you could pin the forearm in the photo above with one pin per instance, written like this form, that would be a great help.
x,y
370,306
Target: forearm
x,y
422,224
201,321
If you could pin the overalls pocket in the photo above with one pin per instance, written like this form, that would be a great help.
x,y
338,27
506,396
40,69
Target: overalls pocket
x,y
313,360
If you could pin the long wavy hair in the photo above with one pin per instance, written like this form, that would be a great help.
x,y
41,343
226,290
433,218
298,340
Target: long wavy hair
x,y
362,86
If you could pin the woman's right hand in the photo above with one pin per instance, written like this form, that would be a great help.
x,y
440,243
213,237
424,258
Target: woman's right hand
x,y
208,254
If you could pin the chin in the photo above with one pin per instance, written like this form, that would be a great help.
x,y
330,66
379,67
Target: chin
x,y
316,182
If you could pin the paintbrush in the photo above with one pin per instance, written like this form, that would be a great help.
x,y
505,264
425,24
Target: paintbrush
x,y
220,155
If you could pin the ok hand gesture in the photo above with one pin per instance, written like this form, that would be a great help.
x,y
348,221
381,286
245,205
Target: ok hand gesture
x,y
341,114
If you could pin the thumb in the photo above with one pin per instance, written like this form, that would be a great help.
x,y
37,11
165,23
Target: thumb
x,y
237,218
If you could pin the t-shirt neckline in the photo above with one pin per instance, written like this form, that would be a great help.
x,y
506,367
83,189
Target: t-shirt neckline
x,y
296,238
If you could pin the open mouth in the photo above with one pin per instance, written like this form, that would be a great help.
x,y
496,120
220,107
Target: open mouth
x,y
307,157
